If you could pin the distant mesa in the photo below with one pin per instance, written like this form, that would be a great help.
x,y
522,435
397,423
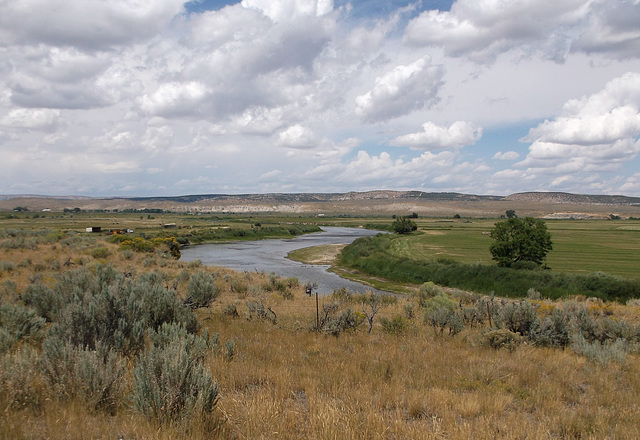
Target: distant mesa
x,y
380,202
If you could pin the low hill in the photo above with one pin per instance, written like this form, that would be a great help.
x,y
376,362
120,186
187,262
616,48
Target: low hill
x,y
538,204
567,198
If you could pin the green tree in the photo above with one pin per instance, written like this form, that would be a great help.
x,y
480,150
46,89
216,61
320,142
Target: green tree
x,y
403,225
520,240
511,213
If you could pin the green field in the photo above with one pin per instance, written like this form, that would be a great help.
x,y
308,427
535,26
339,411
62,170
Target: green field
x,y
579,247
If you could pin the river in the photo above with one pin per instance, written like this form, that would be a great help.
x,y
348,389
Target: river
x,y
271,256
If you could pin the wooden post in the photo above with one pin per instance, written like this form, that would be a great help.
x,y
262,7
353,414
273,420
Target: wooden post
x,y
309,290
317,313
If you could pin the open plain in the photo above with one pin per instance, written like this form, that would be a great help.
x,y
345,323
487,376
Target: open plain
x,y
362,367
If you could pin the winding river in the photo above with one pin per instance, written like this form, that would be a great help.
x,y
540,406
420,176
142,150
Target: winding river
x,y
271,256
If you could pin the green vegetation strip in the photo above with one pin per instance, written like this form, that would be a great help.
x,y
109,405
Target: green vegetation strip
x,y
238,233
374,256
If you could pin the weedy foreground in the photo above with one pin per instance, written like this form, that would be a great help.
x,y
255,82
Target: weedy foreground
x,y
102,342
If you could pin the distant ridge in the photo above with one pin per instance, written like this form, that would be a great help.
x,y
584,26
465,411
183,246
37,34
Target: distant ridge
x,y
539,197
568,198
551,205
319,197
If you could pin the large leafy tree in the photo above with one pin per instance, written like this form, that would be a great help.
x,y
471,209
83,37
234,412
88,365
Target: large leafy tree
x,y
520,240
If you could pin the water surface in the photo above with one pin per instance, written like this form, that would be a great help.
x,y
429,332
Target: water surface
x,y
270,256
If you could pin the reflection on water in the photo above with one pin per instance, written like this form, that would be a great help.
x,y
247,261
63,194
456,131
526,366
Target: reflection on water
x,y
270,256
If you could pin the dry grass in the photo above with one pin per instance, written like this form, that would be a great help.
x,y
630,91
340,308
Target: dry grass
x,y
287,382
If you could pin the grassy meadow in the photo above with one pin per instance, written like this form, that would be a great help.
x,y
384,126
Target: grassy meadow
x,y
431,365
579,246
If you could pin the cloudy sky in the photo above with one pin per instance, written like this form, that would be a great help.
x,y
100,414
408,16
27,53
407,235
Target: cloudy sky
x,y
162,97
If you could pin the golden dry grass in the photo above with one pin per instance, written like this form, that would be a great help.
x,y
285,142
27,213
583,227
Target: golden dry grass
x,y
288,382
297,384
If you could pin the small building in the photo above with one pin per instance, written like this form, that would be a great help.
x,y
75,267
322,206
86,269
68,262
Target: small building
x,y
94,229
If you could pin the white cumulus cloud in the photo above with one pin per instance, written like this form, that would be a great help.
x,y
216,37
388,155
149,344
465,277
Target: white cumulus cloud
x,y
283,10
297,136
483,29
86,24
175,99
402,90
613,28
42,119
595,133
435,137
507,155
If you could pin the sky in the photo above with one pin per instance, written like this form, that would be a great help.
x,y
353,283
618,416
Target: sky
x,y
163,97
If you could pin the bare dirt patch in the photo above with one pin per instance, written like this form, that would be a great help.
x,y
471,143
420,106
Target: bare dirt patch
x,y
325,254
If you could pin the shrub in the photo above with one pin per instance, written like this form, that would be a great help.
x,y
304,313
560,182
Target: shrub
x,y
20,380
372,303
347,320
16,323
239,286
439,300
533,294
127,254
201,290
183,276
583,324
170,380
403,225
474,315
109,309
258,310
7,339
170,332
409,311
518,317
112,316
162,306
502,339
44,300
342,295
194,264
7,266
231,311
554,330
97,377
155,278
442,318
394,326
9,288
100,252
601,353
230,349
427,291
